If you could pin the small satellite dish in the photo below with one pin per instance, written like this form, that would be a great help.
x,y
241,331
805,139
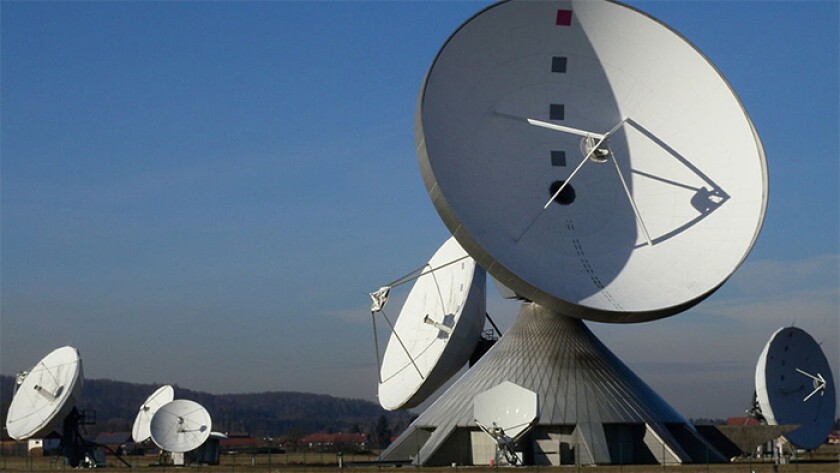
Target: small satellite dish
x,y
506,412
508,406
180,426
140,431
437,330
590,158
47,395
794,386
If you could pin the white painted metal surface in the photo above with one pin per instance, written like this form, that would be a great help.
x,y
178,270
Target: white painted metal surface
x,y
180,426
437,329
140,430
47,395
500,122
794,386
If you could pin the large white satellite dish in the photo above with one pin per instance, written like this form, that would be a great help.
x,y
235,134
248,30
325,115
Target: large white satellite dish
x,y
794,386
180,426
47,395
590,158
437,330
598,165
140,430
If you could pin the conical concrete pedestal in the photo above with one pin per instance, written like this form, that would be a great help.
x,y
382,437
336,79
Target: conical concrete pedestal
x,y
593,408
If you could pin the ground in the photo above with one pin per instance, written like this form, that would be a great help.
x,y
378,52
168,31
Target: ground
x,y
826,460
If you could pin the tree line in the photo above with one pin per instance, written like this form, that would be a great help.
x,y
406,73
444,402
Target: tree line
x,y
266,414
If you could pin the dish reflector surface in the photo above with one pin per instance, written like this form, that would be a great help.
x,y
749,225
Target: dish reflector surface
x,y
684,149
180,426
140,431
440,325
794,386
47,395
509,406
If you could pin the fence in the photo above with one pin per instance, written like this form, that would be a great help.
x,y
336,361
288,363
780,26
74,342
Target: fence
x,y
323,461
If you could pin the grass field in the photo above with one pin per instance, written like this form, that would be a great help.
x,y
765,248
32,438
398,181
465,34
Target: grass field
x,y
327,463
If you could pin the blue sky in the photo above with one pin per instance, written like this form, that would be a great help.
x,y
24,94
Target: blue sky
x,y
204,193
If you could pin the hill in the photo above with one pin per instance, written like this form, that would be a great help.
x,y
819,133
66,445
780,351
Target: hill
x,y
261,414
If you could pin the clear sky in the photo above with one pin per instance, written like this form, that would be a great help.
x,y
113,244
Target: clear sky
x,y
204,193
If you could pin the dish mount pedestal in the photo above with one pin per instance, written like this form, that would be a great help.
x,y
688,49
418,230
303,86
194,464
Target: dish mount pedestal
x,y
593,408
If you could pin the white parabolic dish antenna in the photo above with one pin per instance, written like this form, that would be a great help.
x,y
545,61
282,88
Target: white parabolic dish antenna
x,y
437,330
509,406
47,394
180,426
661,175
140,431
794,386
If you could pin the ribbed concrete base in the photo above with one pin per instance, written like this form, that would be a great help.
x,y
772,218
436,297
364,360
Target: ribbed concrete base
x,y
593,409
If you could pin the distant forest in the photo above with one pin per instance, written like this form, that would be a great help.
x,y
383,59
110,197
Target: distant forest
x,y
268,414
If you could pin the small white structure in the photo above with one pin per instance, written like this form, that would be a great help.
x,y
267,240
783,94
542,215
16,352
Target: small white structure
x,y
45,444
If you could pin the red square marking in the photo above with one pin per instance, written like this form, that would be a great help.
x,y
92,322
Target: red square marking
x,y
564,17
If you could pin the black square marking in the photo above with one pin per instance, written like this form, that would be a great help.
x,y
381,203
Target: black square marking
x,y
558,64
558,158
556,111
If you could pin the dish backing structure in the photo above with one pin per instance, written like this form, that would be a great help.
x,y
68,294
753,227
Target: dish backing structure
x,y
596,163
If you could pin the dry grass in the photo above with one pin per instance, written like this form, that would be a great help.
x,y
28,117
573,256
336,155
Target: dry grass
x,y
320,463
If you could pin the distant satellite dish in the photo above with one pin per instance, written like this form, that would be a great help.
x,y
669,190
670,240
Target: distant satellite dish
x,y
506,412
590,158
180,426
140,431
794,386
438,329
46,396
